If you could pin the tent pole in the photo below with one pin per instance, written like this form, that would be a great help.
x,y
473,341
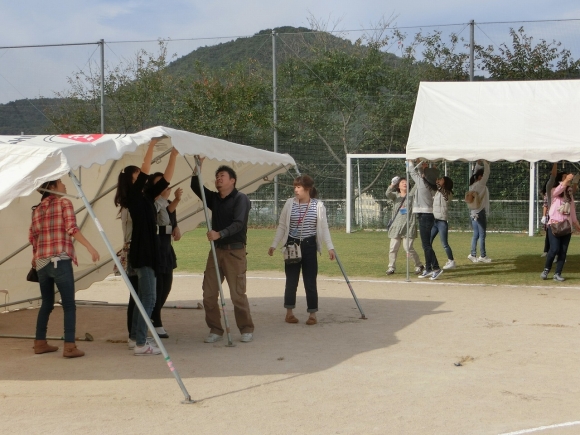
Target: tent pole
x,y
138,303
349,286
532,199
217,270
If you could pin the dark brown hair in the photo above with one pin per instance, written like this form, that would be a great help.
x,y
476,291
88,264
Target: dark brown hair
x,y
124,183
307,182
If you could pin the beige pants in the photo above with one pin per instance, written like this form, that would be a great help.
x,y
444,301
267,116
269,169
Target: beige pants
x,y
408,245
232,266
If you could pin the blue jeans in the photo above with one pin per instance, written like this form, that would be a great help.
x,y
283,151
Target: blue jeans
x,y
309,266
61,275
426,221
147,293
442,228
479,229
559,247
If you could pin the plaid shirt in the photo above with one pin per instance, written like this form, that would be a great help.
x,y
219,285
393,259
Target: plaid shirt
x,y
53,225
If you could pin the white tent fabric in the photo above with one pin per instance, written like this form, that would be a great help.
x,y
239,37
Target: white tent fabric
x,y
524,120
28,161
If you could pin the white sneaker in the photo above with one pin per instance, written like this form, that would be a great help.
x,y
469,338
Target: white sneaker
x,y
247,337
472,258
449,265
152,342
146,350
484,260
212,338
390,271
131,344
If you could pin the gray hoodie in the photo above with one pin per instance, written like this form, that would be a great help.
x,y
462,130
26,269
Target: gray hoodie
x,y
423,198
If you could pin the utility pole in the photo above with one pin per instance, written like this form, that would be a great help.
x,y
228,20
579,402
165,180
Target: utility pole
x,y
275,117
102,44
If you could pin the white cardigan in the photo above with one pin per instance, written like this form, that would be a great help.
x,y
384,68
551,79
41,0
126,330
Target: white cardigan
x,y
322,233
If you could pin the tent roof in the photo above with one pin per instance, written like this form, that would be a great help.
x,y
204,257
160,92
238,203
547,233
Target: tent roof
x,y
28,161
524,120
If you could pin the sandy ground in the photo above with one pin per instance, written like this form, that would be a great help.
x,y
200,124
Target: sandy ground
x,y
394,373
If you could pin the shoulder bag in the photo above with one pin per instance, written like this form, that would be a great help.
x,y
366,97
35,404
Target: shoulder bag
x,y
292,252
562,228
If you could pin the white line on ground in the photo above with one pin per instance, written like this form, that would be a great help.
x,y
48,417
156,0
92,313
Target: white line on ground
x,y
536,429
383,281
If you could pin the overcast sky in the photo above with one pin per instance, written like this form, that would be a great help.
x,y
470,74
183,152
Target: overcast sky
x,y
31,72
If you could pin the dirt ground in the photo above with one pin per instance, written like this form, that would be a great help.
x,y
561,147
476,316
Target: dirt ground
x,y
431,358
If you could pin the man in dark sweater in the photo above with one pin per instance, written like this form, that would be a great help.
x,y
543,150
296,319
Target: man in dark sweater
x,y
230,210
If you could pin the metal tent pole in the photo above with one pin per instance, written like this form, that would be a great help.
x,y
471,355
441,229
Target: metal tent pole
x,y
217,270
349,286
138,303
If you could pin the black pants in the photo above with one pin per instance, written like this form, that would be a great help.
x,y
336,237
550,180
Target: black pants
x,y
426,222
309,267
559,248
164,282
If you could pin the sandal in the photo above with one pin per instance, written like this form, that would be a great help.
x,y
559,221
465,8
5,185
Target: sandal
x,y
311,321
291,319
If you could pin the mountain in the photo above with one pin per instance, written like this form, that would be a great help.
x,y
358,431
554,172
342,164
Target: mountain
x,y
27,115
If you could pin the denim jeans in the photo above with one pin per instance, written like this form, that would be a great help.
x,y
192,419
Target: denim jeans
x,y
442,228
61,275
147,294
558,247
309,266
479,228
426,221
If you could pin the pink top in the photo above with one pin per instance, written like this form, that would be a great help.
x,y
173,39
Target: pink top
x,y
557,201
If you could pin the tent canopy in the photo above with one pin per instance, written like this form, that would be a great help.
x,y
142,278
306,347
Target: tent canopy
x,y
524,120
28,161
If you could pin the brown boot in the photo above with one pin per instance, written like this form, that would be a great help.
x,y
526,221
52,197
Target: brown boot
x,y
41,346
71,351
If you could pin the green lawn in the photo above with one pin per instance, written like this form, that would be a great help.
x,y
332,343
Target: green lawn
x,y
516,257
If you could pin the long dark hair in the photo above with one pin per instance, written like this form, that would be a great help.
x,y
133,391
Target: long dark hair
x,y
307,182
124,183
45,193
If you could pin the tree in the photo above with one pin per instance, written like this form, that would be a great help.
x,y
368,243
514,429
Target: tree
x,y
526,61
134,96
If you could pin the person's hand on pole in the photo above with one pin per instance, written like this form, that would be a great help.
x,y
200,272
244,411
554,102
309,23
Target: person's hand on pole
x,y
331,254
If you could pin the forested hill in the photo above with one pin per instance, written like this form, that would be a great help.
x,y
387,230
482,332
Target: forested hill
x,y
26,115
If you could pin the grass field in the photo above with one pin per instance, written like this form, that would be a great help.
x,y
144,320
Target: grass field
x,y
516,257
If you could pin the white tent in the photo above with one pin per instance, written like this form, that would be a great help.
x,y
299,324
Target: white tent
x,y
96,160
524,120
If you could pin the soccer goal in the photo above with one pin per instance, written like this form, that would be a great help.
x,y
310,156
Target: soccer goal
x,y
367,179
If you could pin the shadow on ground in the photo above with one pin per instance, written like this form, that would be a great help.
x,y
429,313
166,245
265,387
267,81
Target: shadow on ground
x,y
284,348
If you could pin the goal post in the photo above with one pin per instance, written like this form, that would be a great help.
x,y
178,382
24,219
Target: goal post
x,y
349,178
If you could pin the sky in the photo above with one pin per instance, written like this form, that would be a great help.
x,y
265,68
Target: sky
x,y
34,72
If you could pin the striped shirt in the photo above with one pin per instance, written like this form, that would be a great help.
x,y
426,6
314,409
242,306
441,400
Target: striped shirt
x,y
303,220
53,225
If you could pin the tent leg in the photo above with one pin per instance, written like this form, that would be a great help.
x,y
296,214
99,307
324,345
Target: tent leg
x,y
349,286
131,289
217,269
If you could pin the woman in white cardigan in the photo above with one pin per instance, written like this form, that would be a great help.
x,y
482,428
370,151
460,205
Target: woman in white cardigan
x,y
303,221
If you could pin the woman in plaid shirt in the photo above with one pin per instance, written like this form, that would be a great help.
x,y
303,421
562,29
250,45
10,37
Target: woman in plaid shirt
x,y
51,235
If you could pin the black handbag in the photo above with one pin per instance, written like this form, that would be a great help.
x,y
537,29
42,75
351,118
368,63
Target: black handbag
x,y
32,275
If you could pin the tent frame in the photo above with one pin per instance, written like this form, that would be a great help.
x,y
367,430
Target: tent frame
x,y
138,304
